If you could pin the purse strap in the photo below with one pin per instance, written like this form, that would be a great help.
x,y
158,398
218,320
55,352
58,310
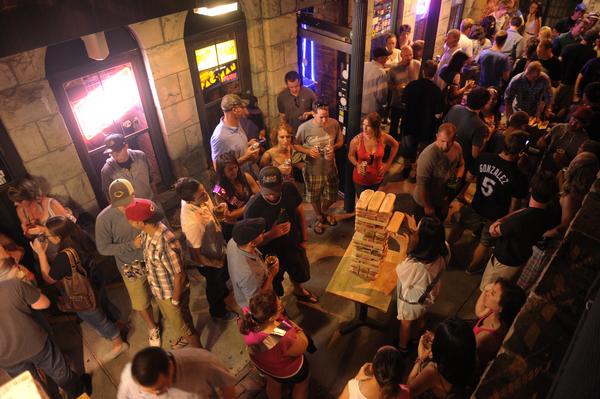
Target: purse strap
x,y
74,261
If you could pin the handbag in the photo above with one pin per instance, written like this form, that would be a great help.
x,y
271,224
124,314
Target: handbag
x,y
79,295
213,242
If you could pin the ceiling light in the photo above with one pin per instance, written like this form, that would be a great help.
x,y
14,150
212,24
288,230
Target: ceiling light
x,y
217,10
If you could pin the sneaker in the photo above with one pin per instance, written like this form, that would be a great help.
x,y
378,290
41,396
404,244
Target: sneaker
x,y
154,337
228,316
115,352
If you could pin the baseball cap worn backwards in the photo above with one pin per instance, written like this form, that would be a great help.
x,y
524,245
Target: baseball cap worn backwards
x,y
230,101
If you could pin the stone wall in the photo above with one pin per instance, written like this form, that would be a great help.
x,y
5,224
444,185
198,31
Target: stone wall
x,y
30,114
272,37
163,48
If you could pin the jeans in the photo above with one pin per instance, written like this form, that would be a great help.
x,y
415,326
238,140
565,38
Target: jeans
x,y
216,289
52,362
98,320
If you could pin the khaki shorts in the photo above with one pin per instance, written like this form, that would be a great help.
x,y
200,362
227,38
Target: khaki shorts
x,y
179,317
495,270
139,292
469,219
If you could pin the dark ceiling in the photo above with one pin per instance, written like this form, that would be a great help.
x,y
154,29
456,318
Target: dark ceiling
x,y
29,24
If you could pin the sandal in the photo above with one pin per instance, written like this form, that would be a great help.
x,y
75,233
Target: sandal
x,y
308,297
180,343
331,220
318,227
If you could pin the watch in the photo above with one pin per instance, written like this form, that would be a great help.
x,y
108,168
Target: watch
x,y
174,302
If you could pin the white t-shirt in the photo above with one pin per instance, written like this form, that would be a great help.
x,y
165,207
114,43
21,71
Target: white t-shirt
x,y
194,220
198,375
466,44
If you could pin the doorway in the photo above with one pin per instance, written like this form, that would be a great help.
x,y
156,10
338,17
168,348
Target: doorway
x,y
217,49
98,98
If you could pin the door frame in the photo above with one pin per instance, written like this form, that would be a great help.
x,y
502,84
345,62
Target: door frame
x,y
199,33
134,57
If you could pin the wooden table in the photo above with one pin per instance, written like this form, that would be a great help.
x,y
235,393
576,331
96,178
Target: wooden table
x,y
376,294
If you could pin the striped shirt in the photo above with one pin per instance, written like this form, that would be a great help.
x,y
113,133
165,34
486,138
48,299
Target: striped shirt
x,y
163,256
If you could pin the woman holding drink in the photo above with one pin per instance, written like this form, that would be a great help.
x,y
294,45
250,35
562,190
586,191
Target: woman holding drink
x,y
234,188
366,153
282,155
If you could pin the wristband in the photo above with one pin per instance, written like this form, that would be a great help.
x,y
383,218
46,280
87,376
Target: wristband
x,y
174,302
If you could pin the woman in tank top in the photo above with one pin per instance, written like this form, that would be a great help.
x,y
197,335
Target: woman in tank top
x,y
234,188
366,153
282,155
496,308
533,23
381,379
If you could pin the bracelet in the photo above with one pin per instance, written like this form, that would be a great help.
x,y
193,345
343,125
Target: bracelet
x,y
174,302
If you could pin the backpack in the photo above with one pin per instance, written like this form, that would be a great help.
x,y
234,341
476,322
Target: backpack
x,y
78,293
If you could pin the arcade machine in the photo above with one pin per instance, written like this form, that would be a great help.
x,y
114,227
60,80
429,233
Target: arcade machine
x,y
324,64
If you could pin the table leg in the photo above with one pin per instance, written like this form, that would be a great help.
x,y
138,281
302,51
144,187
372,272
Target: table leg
x,y
360,319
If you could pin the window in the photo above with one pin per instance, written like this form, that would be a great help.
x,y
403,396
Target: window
x,y
421,13
218,69
456,12
106,102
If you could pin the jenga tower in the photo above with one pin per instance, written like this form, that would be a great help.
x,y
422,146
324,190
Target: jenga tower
x,y
373,214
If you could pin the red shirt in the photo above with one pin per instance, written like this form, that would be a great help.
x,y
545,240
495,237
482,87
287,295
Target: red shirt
x,y
373,161
267,352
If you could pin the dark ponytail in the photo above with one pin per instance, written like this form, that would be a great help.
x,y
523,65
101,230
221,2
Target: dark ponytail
x,y
388,369
262,306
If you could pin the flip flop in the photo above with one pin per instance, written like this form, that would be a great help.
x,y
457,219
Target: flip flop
x,y
318,227
331,220
308,297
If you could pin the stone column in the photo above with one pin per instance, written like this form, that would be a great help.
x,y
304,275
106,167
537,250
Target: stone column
x,y
163,48
30,114
272,41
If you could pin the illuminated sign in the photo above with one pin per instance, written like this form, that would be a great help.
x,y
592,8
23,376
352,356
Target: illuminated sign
x,y
217,63
107,102
224,74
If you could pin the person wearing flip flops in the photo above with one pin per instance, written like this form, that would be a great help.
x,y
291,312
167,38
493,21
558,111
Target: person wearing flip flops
x,y
318,139
280,204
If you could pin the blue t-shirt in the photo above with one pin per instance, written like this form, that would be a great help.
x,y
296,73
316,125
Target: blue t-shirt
x,y
493,64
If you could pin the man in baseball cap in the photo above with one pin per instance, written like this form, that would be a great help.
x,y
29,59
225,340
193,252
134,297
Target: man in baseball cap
x,y
248,273
126,163
270,180
229,135
164,266
280,204
116,237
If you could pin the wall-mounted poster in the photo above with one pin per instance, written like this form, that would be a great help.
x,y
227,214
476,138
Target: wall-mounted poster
x,y
382,17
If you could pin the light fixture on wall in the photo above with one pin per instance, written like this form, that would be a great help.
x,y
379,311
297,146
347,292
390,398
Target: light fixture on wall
x,y
96,46
212,9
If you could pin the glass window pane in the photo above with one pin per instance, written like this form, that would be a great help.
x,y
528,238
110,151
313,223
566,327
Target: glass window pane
x,y
106,102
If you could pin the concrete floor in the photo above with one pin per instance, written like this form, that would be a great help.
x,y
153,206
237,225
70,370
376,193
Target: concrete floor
x,y
337,359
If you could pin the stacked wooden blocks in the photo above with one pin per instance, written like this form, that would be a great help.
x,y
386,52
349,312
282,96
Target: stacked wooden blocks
x,y
375,219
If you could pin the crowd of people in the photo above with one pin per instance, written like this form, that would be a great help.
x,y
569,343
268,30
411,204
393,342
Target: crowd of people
x,y
511,108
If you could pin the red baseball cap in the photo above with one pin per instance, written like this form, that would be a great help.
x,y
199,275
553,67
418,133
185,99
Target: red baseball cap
x,y
140,210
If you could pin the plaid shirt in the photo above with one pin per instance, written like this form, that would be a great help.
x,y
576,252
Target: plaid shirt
x,y
163,256
528,95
